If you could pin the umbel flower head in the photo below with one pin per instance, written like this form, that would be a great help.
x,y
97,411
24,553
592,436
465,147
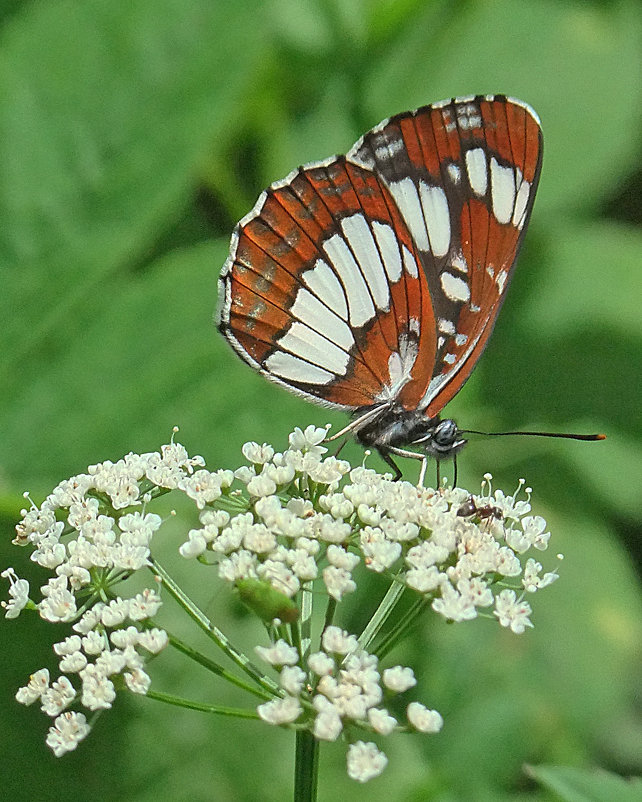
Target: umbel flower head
x,y
286,530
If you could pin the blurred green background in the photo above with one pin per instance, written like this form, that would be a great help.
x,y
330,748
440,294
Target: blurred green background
x,y
133,135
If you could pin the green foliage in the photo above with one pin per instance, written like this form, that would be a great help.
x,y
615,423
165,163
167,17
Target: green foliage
x,y
132,136
577,785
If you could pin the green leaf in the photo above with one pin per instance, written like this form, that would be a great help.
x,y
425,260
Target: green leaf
x,y
586,785
589,277
584,325
135,356
565,353
559,57
108,111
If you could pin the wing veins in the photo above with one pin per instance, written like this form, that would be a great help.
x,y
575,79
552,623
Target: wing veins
x,y
358,348
276,345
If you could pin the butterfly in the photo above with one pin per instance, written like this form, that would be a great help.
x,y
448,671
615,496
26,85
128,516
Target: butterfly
x,y
371,282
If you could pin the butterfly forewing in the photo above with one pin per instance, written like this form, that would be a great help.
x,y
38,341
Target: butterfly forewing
x,y
323,290
377,277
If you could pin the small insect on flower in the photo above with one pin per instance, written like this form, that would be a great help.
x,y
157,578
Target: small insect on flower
x,y
469,509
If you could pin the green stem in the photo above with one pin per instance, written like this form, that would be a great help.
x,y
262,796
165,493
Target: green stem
x,y
214,633
393,637
306,767
215,668
201,706
329,612
382,613
306,622
306,758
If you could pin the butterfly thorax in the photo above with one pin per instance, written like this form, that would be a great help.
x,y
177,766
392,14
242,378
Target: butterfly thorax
x,y
397,427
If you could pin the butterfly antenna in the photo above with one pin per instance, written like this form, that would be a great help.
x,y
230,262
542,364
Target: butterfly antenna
x,y
563,435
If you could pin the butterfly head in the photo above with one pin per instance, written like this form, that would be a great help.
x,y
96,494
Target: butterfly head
x,y
442,439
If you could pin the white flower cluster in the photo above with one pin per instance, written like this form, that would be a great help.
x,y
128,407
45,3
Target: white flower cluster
x,y
282,536
86,536
343,688
283,522
102,650
304,520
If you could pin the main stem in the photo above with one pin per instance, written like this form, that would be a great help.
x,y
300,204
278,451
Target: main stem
x,y
306,758
306,767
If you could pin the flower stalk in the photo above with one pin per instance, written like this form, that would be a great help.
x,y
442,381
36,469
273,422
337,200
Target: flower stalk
x,y
306,767
219,638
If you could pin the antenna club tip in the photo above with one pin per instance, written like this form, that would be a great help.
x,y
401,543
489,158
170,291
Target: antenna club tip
x,y
600,437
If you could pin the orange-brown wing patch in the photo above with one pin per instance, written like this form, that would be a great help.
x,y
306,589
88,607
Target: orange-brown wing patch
x,y
322,285
512,132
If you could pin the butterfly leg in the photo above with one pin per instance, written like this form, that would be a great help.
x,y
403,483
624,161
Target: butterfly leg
x,y
454,472
385,455
340,449
403,452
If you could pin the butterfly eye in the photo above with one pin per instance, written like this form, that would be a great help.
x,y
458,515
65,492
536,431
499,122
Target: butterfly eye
x,y
445,434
